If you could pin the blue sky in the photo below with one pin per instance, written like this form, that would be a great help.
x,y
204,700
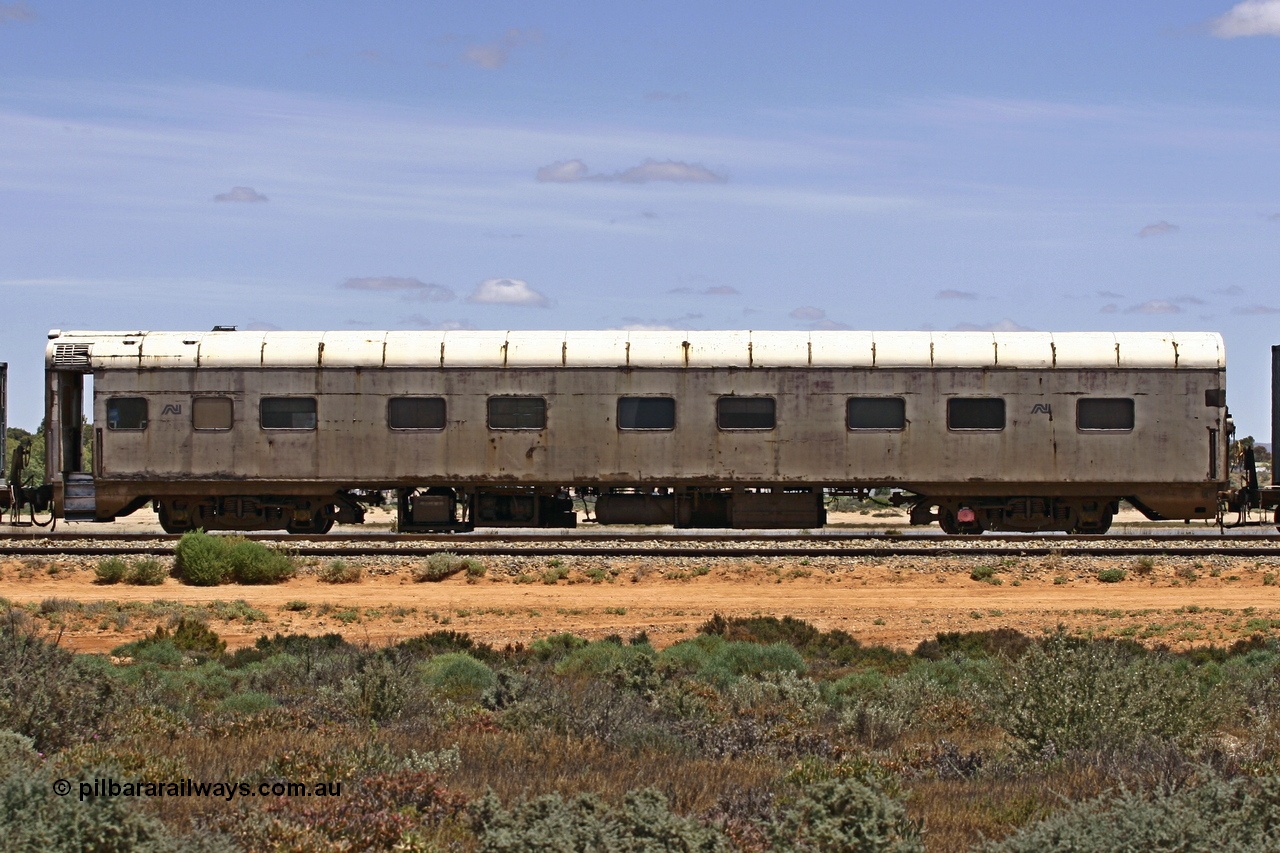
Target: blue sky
x,y
1081,166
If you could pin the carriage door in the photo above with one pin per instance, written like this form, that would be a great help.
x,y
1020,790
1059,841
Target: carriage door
x,y
65,468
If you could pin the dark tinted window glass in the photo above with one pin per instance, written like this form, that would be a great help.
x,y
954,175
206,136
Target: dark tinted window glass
x,y
517,413
415,413
745,413
975,413
211,413
288,413
877,413
126,413
646,413
1114,413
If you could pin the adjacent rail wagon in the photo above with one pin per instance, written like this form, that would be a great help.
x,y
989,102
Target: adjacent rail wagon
x,y
296,430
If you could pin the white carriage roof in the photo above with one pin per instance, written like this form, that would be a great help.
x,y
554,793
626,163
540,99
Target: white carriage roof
x,y
638,349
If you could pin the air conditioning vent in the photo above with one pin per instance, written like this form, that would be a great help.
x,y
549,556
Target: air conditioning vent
x,y
71,355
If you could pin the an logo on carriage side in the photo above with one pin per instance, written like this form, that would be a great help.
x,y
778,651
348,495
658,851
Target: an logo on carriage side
x,y
1042,409
172,409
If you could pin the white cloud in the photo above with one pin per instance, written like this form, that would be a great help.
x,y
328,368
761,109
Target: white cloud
x,y
1005,325
417,321
412,287
574,171
248,194
19,13
507,291
1154,306
1155,229
1109,308
495,54
956,294
567,172
1255,310
1249,18
817,319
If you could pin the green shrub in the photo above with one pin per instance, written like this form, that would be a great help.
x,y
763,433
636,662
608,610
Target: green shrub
x,y
254,563
46,692
983,573
1238,815
598,659
192,635
1112,575
556,646
643,823
839,815
457,675
438,566
1065,694
473,567
111,570
339,571
249,702
33,819
200,559
147,572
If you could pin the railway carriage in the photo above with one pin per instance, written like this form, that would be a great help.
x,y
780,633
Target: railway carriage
x,y
296,430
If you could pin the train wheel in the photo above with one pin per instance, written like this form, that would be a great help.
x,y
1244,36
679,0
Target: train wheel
x,y
169,526
953,527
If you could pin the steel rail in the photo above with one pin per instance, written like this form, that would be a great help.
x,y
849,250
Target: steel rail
x,y
943,549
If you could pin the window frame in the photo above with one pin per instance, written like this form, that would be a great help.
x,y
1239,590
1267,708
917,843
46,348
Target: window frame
x,y
488,412
444,412
146,414
902,401
315,412
667,397
1004,415
773,402
197,399
1133,416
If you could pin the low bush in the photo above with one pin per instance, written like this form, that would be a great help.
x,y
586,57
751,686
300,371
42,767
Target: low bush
x,y
204,560
47,693
457,675
643,823
1238,815
845,815
1112,575
111,570
147,572
438,566
200,559
1066,694
339,571
254,563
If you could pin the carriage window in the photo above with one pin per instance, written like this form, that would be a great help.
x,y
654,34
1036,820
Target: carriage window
x,y
517,413
127,413
647,413
288,412
746,413
975,413
212,413
877,413
415,413
1113,414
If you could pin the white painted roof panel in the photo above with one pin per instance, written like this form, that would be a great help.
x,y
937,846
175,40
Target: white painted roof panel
x,y
649,349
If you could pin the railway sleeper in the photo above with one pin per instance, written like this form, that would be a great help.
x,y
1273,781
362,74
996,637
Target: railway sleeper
x,y
972,516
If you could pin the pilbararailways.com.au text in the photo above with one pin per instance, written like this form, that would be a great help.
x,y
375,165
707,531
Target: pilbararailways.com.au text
x,y
110,787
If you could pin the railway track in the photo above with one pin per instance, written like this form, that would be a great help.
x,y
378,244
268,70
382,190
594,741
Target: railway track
x,y
540,544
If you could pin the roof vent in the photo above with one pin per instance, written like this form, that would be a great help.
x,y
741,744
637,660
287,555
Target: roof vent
x,y
224,328
70,355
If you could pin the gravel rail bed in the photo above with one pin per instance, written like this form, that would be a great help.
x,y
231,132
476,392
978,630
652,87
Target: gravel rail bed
x,y
1181,548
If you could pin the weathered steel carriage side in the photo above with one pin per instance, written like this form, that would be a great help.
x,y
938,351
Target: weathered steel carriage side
x,y
299,427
